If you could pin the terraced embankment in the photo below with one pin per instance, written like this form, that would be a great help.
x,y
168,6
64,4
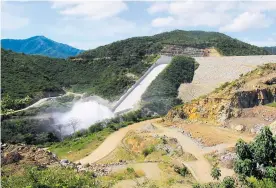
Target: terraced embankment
x,y
213,71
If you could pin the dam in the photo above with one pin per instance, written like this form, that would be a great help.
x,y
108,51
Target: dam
x,y
212,72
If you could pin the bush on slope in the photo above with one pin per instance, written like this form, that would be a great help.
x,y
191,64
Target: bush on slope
x,y
162,93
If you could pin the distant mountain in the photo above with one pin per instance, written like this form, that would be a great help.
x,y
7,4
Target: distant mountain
x,y
271,50
40,45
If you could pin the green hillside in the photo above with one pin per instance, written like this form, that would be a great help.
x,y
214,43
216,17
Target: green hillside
x,y
27,78
161,95
153,44
107,71
271,50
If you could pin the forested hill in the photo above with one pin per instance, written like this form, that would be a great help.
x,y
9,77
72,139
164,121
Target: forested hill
x,y
271,50
107,71
40,45
27,78
153,44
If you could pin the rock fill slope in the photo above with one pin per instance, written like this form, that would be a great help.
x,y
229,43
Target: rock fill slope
x,y
214,71
257,87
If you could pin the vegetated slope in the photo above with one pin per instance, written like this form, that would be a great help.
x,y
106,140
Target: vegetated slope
x,y
27,78
162,93
230,98
107,71
40,45
271,50
138,46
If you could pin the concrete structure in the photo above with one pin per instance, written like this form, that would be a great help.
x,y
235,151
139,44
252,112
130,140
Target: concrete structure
x,y
133,95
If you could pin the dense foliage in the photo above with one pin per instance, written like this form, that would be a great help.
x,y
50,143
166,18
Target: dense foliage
x,y
49,178
28,131
257,159
40,45
271,50
162,93
26,78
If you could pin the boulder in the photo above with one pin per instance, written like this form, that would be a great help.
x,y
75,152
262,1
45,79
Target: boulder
x,y
64,162
11,157
239,128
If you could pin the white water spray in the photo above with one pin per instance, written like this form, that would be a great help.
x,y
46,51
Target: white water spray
x,y
81,116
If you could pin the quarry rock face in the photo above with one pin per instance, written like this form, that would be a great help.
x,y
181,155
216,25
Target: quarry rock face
x,y
172,50
253,89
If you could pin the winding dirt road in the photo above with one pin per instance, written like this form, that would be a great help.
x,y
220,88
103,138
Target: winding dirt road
x,y
200,168
111,142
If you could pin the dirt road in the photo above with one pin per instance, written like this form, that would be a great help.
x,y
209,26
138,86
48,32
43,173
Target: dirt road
x,y
111,142
200,168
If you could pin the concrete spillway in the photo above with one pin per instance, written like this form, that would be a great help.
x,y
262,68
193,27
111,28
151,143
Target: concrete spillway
x,y
132,97
211,73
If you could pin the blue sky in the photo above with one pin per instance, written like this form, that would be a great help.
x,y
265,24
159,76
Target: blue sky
x,y
88,24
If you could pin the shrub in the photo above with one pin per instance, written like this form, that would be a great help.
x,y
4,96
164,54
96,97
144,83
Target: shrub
x,y
215,172
148,150
130,170
183,171
50,177
228,182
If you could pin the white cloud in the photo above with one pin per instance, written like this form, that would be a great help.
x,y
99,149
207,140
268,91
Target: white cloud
x,y
161,22
232,16
247,20
96,32
158,7
192,13
257,6
90,9
12,21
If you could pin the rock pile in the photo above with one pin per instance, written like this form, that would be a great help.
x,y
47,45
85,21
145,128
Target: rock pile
x,y
227,159
26,154
148,128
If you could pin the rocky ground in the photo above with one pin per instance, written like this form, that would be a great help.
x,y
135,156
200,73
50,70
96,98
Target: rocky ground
x,y
214,71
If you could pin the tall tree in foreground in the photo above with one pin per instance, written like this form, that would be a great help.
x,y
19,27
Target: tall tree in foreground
x,y
258,158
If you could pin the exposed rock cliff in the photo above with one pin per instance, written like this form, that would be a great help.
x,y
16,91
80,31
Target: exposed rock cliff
x,y
257,87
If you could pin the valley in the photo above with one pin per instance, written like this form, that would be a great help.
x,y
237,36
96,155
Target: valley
x,y
167,110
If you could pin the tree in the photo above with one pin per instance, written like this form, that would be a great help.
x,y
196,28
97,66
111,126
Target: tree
x,y
264,148
257,159
73,124
228,182
215,172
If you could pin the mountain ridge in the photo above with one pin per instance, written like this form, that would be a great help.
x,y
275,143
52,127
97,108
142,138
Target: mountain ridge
x,y
224,44
40,45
